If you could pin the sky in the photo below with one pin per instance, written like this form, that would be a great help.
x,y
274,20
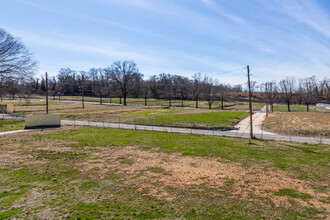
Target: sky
x,y
276,38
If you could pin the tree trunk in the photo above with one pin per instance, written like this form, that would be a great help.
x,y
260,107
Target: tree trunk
x,y
272,107
170,103
307,107
196,103
182,103
210,105
120,100
222,104
101,101
288,107
145,101
125,100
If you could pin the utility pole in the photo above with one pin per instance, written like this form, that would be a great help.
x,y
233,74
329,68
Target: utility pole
x,y
46,93
82,91
271,95
250,104
267,97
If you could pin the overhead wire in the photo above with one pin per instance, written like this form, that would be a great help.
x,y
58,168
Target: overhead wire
x,y
230,71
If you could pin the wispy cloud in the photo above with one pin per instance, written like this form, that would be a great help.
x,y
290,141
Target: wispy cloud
x,y
308,12
214,6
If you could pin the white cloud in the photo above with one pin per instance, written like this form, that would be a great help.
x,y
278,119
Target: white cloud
x,y
307,11
214,6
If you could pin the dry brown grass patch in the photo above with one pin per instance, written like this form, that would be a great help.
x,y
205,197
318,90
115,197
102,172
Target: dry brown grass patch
x,y
302,123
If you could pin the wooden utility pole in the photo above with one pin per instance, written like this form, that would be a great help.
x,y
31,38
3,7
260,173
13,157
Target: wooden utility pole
x,y
46,93
271,95
250,103
267,97
82,91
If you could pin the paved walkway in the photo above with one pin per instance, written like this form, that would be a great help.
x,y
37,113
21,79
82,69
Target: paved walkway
x,y
11,132
258,119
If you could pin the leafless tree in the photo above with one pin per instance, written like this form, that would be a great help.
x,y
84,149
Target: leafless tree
x,y
268,91
124,75
15,58
223,94
308,91
287,88
67,81
99,84
196,87
167,87
146,91
324,86
208,90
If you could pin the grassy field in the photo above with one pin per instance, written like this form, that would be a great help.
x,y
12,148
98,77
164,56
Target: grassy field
x,y
298,108
126,174
209,119
301,123
137,114
10,125
236,106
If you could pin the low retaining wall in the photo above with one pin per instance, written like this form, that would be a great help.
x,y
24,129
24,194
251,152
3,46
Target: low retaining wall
x,y
7,108
43,121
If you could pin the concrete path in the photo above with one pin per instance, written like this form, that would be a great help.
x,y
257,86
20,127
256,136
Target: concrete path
x,y
11,132
257,127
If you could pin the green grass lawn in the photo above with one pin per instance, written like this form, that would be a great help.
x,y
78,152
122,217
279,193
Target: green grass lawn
x,y
211,119
67,174
11,125
295,108
160,116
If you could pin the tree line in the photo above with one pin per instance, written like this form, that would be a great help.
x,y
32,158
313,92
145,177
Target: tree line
x,y
122,79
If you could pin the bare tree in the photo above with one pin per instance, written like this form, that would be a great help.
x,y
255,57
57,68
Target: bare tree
x,y
146,91
287,88
15,58
99,84
268,90
208,90
196,87
67,81
124,75
326,83
167,87
308,91
223,94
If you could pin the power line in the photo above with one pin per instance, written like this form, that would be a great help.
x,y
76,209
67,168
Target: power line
x,y
230,71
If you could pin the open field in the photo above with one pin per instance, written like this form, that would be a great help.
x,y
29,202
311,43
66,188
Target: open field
x,y
301,123
110,173
236,106
137,114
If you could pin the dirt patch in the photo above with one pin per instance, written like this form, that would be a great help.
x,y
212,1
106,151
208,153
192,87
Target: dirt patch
x,y
301,123
153,168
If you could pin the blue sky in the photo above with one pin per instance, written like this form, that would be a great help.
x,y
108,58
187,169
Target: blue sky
x,y
277,38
